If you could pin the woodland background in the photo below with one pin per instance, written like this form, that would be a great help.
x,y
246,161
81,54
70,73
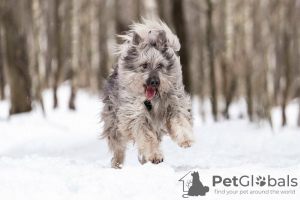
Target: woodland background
x,y
231,50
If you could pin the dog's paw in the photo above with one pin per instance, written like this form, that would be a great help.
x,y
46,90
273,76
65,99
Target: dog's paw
x,y
142,159
156,158
115,164
186,143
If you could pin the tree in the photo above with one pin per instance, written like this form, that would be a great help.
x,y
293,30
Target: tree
x,y
287,72
37,77
248,25
50,39
58,47
200,32
164,10
181,31
13,13
120,24
75,52
103,51
210,48
229,78
265,32
2,80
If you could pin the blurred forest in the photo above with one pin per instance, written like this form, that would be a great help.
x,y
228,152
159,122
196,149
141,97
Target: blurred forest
x,y
231,49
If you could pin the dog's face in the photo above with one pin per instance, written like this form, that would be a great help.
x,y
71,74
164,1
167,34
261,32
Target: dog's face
x,y
150,67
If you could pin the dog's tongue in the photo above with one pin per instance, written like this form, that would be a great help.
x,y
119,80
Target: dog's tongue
x,y
150,92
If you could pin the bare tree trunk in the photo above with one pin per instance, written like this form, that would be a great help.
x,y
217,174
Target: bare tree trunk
x,y
103,51
267,102
287,39
17,57
120,26
297,63
249,98
201,68
94,43
248,51
229,79
202,78
181,31
2,80
287,71
229,85
75,52
50,41
210,48
37,79
277,75
298,110
58,43
164,8
267,66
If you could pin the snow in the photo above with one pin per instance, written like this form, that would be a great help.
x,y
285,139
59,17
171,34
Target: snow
x,y
60,156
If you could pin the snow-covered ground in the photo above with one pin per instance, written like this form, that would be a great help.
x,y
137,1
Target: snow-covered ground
x,y
60,157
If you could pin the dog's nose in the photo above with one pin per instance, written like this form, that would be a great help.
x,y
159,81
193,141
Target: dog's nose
x,y
154,82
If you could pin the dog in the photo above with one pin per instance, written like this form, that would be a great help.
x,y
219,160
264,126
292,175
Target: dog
x,y
144,97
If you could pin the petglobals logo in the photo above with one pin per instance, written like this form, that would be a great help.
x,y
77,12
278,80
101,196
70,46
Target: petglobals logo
x,y
195,184
246,181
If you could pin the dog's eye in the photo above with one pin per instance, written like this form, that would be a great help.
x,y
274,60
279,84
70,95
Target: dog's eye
x,y
144,65
159,66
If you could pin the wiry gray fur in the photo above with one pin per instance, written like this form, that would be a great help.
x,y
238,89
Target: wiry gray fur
x,y
125,116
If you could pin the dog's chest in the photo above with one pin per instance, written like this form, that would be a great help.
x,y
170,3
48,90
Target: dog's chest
x,y
156,110
148,105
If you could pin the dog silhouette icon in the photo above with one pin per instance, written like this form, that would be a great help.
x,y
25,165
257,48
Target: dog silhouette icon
x,y
197,187
193,187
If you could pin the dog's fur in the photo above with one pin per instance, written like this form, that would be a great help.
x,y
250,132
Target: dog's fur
x,y
148,52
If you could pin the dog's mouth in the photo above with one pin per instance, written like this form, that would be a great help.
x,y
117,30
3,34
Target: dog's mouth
x,y
150,91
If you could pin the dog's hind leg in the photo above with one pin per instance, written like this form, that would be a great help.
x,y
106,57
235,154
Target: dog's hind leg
x,y
115,139
118,146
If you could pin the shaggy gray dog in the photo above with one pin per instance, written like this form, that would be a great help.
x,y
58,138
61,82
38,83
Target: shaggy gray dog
x,y
144,97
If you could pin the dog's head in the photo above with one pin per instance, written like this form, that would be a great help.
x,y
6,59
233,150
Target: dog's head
x,y
149,65
195,175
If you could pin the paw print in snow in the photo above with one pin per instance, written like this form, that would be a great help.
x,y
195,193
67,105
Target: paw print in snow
x,y
261,181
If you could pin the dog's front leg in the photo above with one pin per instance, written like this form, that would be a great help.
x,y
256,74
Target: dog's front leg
x,y
181,130
148,146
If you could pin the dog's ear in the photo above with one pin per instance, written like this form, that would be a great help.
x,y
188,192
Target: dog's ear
x,y
136,39
162,37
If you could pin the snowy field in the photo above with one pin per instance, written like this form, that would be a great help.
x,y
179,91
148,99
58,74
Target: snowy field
x,y
60,157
